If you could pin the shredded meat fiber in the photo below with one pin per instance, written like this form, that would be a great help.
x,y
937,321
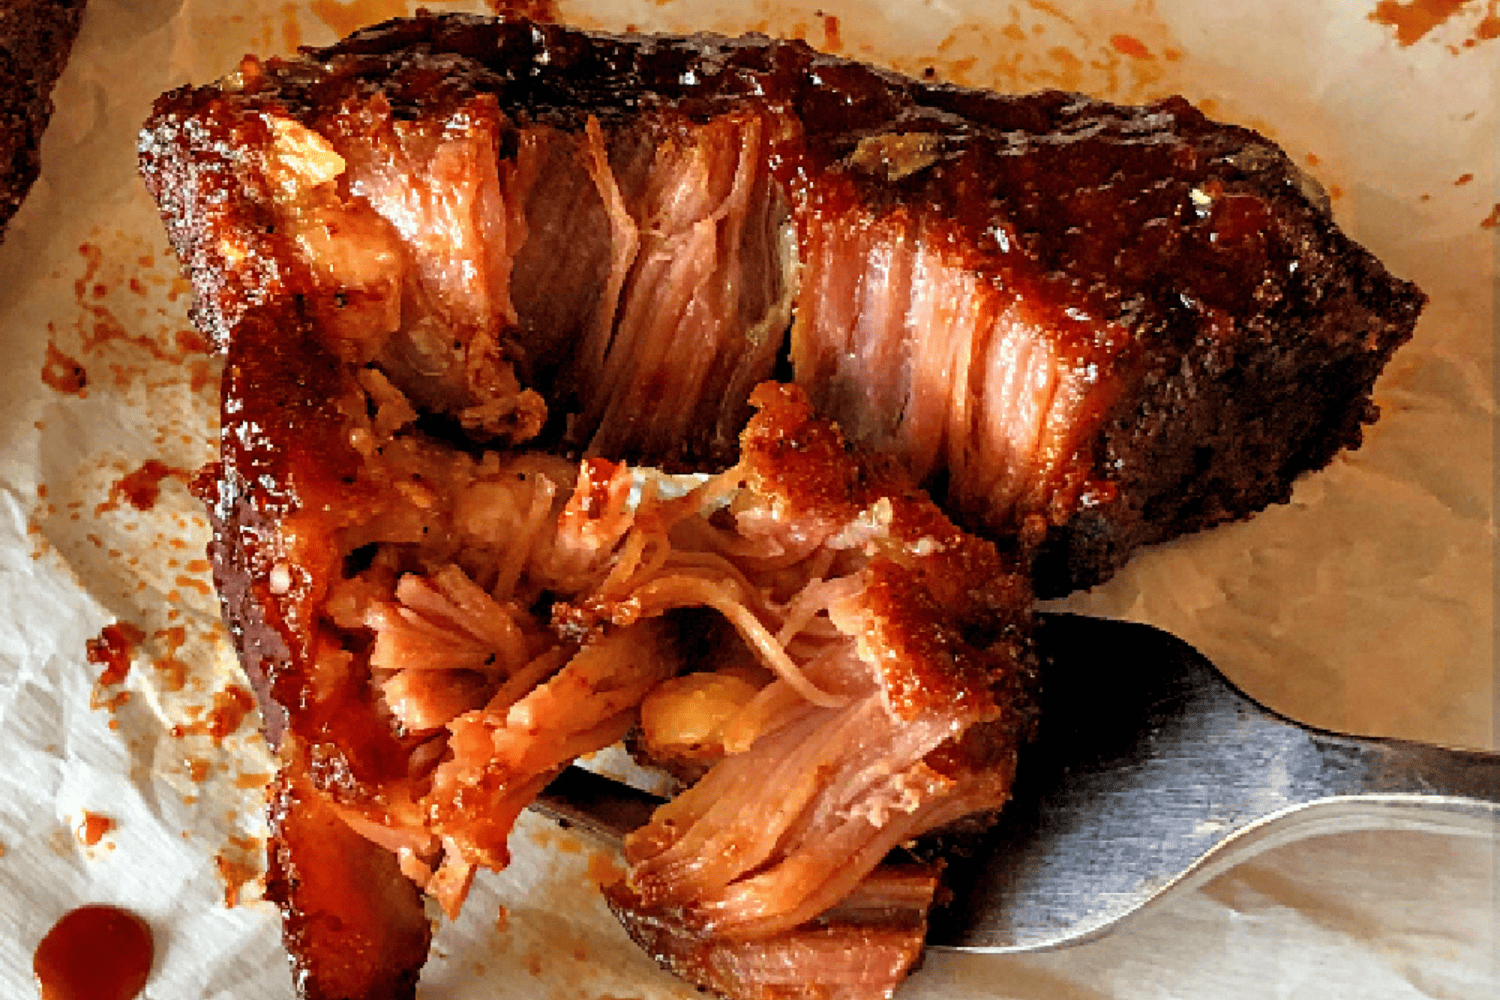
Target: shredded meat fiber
x,y
506,474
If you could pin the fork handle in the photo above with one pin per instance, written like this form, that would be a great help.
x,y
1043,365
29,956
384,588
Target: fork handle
x,y
1349,765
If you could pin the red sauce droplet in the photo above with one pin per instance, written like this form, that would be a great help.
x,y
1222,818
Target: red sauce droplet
x,y
112,649
1414,20
832,42
142,488
230,708
93,828
1492,220
63,373
1463,179
1129,45
94,953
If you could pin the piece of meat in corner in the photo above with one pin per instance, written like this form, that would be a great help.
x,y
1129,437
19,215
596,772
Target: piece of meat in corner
x,y
35,39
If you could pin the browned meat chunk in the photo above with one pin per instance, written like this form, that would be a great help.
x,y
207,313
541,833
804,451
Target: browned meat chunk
x,y
449,257
861,949
473,624
477,623
1091,326
316,866
1096,332
35,38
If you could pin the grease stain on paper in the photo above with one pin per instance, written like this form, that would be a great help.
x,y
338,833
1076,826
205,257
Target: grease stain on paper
x,y
115,316
125,342
171,672
122,323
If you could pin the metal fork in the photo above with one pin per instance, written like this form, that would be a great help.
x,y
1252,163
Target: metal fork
x,y
1151,774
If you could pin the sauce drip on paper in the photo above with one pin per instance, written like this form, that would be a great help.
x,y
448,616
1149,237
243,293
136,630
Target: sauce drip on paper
x,y
64,373
112,650
1415,19
229,710
142,488
93,828
94,953
238,864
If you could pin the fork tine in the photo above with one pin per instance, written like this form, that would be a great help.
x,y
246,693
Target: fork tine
x,y
602,807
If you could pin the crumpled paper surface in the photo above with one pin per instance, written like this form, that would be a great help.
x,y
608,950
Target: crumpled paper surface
x,y
1364,605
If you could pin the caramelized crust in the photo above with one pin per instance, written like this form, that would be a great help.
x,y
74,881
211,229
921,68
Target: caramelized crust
x,y
862,950
316,867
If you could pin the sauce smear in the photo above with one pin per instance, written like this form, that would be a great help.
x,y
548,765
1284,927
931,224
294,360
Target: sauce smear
x,y
94,953
1129,45
63,373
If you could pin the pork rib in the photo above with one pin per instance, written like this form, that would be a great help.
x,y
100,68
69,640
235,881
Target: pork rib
x,y
449,256
1104,325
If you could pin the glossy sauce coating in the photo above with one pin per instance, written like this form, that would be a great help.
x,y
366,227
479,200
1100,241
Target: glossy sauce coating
x,y
94,953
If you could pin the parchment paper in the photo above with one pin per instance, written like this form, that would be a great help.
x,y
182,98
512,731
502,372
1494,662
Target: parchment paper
x,y
1365,604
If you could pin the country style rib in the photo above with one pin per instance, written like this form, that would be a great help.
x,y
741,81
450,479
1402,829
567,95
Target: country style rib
x,y
506,473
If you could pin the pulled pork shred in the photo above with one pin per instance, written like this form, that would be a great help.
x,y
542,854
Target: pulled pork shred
x,y
869,681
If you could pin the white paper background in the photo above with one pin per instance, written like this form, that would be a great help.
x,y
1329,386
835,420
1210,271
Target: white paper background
x,y
1366,604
